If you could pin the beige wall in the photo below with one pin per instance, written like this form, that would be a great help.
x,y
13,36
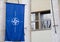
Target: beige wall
x,y
38,5
41,36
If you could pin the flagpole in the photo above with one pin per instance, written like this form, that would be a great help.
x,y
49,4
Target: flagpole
x,y
27,23
55,21
2,20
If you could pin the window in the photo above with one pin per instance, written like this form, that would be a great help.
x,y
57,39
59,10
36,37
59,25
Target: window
x,y
41,20
45,21
35,21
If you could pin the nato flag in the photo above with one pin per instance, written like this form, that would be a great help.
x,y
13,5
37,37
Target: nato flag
x,y
14,22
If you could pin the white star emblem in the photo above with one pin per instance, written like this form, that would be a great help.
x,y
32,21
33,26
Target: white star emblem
x,y
15,21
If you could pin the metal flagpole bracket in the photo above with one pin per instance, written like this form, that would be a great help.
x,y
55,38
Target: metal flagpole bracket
x,y
55,28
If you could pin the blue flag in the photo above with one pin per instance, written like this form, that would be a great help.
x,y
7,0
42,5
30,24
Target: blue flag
x,y
14,22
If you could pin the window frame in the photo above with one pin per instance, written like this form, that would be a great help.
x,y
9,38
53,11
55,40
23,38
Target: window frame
x,y
39,13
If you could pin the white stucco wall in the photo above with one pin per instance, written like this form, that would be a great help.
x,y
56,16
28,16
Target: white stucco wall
x,y
56,36
2,20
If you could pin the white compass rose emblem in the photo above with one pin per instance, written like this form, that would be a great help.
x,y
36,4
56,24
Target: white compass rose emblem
x,y
15,21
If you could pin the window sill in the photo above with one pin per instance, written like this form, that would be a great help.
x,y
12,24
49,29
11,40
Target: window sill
x,y
40,29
